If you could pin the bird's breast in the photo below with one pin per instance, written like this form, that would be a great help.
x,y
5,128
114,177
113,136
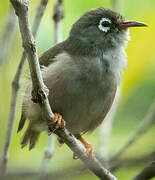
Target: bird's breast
x,y
116,60
81,89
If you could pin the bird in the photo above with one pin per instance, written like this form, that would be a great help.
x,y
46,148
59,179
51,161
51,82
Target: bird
x,y
82,74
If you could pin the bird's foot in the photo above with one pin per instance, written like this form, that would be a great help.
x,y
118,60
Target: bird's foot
x,y
59,121
49,132
89,149
89,153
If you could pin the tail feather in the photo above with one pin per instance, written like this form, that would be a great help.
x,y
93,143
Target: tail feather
x,y
33,139
22,122
30,136
25,138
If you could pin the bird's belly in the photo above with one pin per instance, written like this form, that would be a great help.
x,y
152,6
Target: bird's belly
x,y
85,109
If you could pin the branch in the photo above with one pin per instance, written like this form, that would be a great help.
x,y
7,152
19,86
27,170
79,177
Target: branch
x,y
38,16
131,162
57,17
147,173
105,129
15,89
39,92
116,5
143,127
58,175
48,154
75,170
8,34
11,119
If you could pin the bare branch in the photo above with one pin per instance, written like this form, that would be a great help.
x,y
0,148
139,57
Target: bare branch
x,y
8,34
57,17
116,5
105,129
147,173
131,162
39,93
15,89
76,169
62,174
39,14
143,127
47,157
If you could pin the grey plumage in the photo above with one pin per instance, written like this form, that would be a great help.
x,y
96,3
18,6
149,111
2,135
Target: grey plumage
x,y
82,74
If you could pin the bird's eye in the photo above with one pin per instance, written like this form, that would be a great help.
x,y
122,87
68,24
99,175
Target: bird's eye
x,y
104,24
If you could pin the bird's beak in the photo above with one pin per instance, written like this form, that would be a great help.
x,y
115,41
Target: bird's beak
x,y
127,24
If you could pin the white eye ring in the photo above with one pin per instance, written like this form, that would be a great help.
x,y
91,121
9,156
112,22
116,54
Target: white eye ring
x,y
102,28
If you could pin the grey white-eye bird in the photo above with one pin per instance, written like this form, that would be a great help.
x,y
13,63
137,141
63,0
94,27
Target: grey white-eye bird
x,y
82,74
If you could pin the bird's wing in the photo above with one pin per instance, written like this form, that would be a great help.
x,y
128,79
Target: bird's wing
x,y
48,57
45,60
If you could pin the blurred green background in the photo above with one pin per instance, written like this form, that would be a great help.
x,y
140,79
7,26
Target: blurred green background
x,y
138,88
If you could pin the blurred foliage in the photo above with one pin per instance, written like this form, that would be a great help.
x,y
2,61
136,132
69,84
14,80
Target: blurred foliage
x,y
141,53
138,86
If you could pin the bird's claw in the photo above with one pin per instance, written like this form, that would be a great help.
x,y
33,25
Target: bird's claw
x,y
59,121
89,152
49,132
75,156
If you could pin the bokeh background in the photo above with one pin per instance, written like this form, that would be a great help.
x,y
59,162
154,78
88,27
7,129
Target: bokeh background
x,y
138,88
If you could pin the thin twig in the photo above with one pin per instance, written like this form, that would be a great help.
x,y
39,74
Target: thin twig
x,y
48,154
57,17
116,4
105,129
67,173
15,89
147,173
131,162
143,127
39,93
75,170
14,95
8,34
38,16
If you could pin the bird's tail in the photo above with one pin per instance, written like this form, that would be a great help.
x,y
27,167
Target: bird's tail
x,y
30,136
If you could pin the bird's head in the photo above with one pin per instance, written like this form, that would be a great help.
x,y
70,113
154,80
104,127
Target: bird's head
x,y
102,28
